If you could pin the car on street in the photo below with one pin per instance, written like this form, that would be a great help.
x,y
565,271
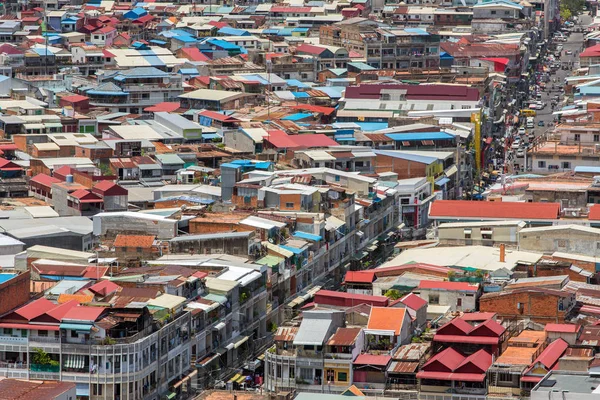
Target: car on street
x,y
540,123
569,52
521,131
521,153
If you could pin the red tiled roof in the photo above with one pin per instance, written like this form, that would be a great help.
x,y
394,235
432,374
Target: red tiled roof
x,y
144,241
317,109
57,313
344,337
84,195
9,49
359,276
414,92
35,308
76,98
105,29
310,49
494,210
218,116
44,179
552,353
82,313
371,359
413,301
386,319
105,186
338,298
593,51
144,19
450,376
104,287
218,24
465,339
194,54
448,359
200,274
445,285
561,328
163,107
8,165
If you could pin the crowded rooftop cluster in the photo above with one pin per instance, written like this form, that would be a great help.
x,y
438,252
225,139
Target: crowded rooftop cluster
x,y
351,197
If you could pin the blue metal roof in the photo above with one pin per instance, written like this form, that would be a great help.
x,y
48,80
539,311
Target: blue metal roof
x,y
189,71
285,32
210,136
223,44
419,136
297,83
265,165
158,42
271,31
292,249
296,117
372,126
442,181
231,165
406,155
300,30
307,236
301,95
185,39
417,31
229,31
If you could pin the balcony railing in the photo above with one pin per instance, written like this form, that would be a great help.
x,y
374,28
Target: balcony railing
x,y
13,340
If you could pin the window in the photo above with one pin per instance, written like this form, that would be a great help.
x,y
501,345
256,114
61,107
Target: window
x,y
342,377
292,372
42,333
493,12
97,390
467,233
577,137
566,165
458,302
434,299
506,12
541,164
289,205
74,334
596,138
8,331
486,233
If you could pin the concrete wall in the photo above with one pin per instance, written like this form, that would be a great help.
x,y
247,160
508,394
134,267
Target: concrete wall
x,y
215,245
564,240
239,141
456,235
538,306
124,224
450,298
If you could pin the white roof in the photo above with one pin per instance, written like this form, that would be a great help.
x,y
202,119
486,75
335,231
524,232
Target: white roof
x,y
8,241
132,132
209,94
262,223
256,134
45,146
319,155
479,257
332,223
41,212
167,301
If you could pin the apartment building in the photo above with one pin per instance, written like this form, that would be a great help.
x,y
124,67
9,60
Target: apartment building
x,y
135,89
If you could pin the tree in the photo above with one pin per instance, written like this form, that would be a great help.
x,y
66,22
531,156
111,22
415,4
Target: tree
x,y
570,8
565,13
392,294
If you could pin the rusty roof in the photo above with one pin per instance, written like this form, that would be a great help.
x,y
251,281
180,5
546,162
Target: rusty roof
x,y
286,333
11,389
344,337
411,352
144,241
403,367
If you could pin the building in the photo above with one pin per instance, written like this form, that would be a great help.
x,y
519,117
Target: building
x,y
459,296
489,233
538,304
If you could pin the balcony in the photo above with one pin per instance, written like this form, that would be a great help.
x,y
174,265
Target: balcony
x,y
15,340
338,356
44,339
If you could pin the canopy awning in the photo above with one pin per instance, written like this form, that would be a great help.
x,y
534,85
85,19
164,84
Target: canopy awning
x,y
307,236
77,327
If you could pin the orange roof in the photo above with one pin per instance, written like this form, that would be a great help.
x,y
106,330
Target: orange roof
x,y
80,298
386,319
134,241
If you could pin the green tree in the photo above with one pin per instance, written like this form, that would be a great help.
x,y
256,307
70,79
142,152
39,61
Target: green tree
x,y
570,8
392,294
40,357
565,13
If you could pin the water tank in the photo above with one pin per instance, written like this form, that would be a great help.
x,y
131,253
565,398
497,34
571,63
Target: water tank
x,y
69,178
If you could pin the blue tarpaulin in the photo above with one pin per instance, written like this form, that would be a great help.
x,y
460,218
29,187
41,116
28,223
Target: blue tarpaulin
x,y
307,236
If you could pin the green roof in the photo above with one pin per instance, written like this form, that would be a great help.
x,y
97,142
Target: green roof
x,y
271,261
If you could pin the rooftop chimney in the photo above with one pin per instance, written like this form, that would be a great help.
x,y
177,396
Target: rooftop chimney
x,y
502,252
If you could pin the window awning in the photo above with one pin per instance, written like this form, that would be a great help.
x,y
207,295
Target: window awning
x,y
219,326
77,327
240,342
82,389
53,125
467,231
